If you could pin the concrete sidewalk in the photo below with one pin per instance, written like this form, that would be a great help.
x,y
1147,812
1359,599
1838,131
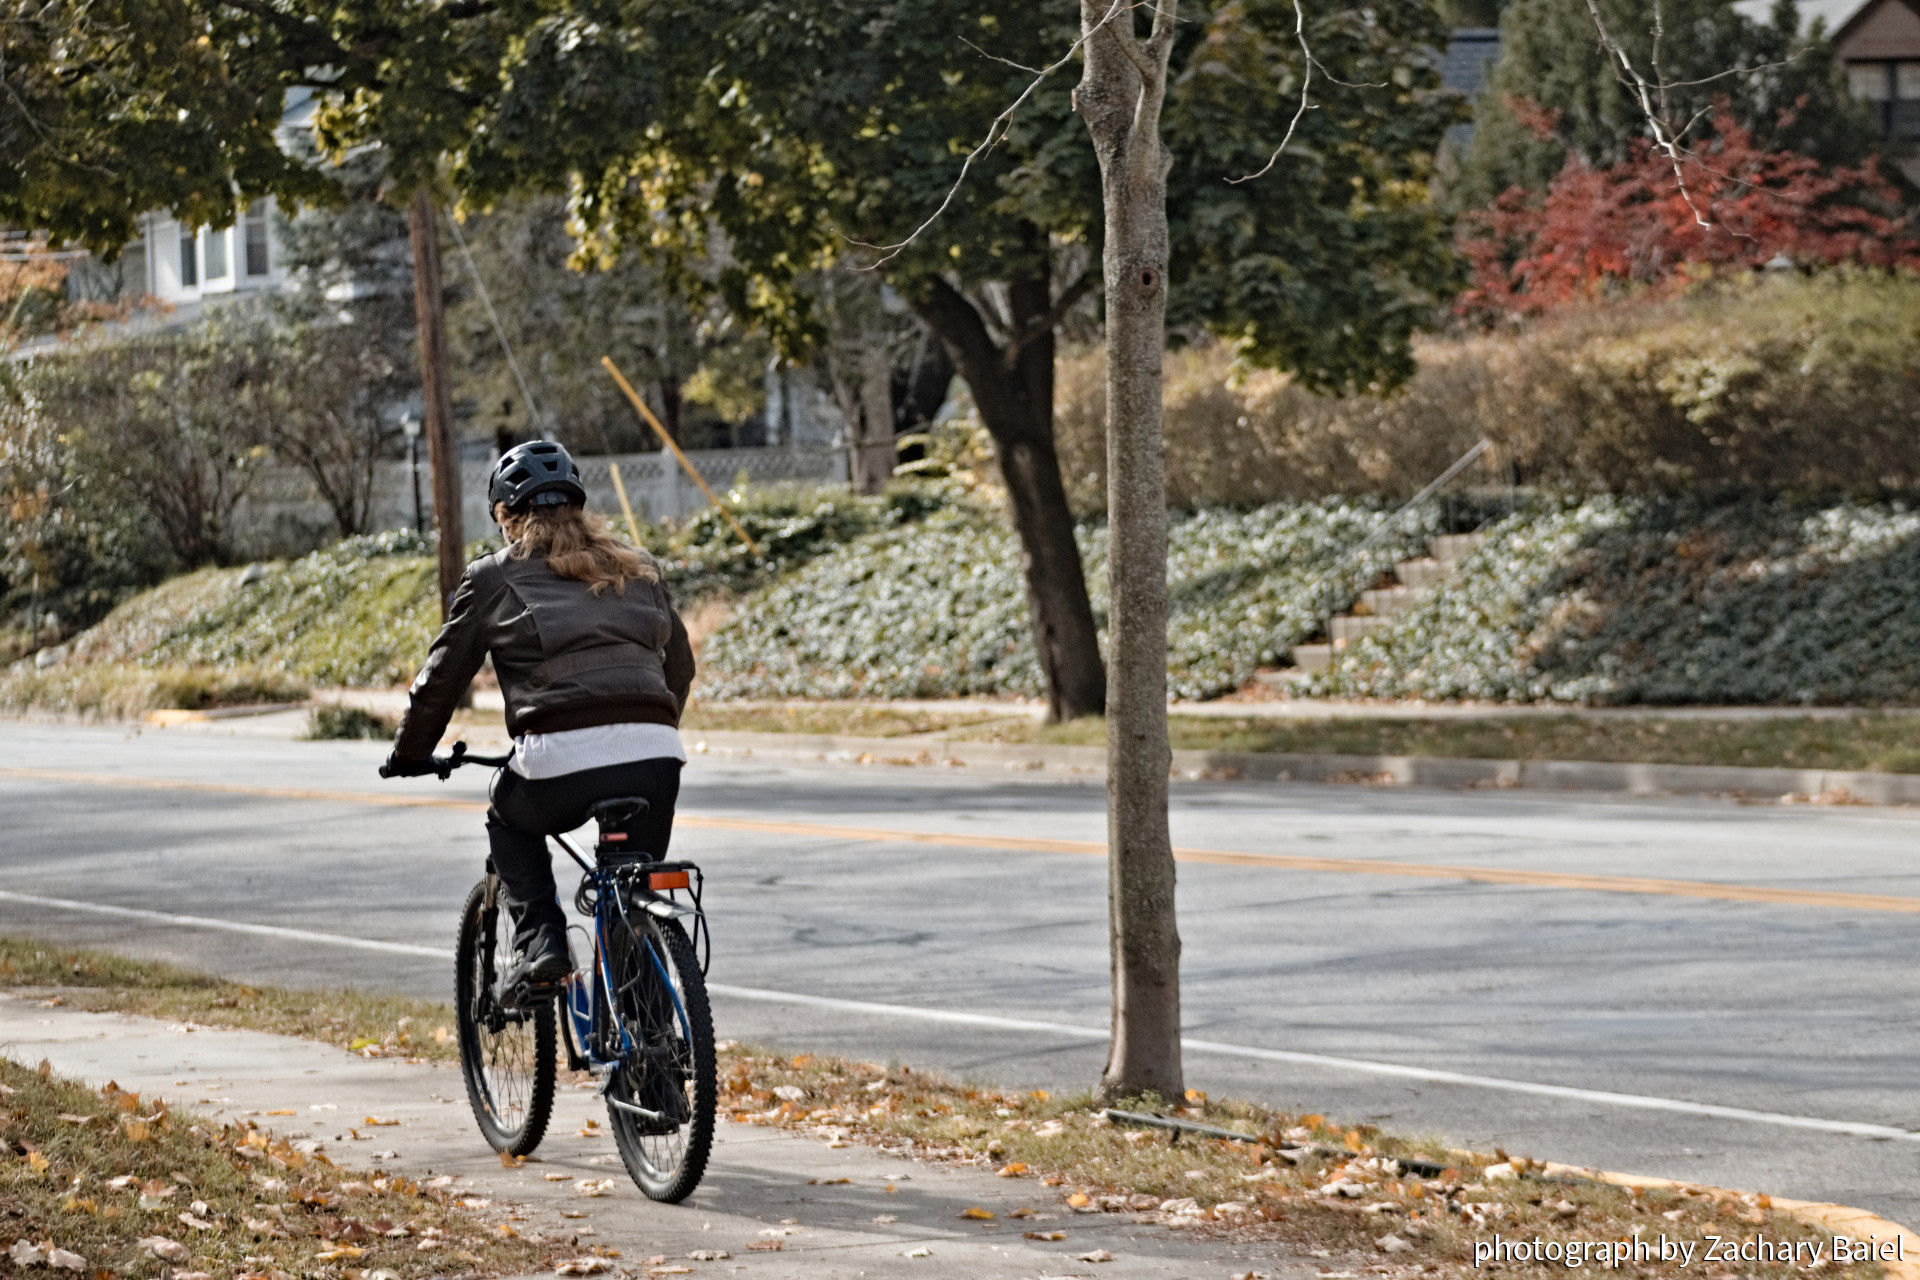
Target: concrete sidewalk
x,y
762,1185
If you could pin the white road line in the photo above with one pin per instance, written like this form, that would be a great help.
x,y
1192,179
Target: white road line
x,y
228,926
1636,1101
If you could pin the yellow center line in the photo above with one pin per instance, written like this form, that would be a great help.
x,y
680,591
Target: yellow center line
x,y
1646,885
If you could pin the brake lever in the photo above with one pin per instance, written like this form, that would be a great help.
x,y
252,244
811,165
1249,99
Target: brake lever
x,y
445,767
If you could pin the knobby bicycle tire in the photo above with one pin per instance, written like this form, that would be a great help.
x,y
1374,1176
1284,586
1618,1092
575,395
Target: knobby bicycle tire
x,y
665,1165
509,1071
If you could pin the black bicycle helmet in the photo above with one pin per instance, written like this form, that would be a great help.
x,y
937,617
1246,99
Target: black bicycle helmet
x,y
539,474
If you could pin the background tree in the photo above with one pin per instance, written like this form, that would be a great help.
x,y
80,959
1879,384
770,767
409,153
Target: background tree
x,y
1629,224
701,370
1781,85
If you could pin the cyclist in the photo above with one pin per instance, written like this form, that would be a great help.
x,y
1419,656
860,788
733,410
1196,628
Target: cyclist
x,y
594,665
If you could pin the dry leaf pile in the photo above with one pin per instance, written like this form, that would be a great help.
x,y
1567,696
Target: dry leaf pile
x,y
106,1183
1305,1179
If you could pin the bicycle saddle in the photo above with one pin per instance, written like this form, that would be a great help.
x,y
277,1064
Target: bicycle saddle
x,y
617,810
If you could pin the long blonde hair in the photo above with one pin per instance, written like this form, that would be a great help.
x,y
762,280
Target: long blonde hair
x,y
576,544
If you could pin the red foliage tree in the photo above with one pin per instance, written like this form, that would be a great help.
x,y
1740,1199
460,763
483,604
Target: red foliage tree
x,y
1633,223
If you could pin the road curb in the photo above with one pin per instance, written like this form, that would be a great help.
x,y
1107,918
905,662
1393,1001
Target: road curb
x,y
1828,786
1835,1219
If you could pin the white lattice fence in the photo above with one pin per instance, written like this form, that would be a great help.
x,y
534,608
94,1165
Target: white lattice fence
x,y
284,514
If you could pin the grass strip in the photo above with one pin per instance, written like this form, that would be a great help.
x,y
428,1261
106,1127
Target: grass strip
x,y
1868,741
104,1183
113,691
376,1026
1305,1178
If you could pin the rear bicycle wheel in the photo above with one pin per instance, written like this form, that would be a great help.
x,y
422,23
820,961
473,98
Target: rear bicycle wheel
x,y
507,1059
660,1000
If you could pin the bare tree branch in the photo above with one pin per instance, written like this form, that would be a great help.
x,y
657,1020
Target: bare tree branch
x,y
1306,85
995,132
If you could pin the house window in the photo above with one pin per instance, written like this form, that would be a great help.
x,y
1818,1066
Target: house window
x,y
255,227
189,257
216,255
1893,90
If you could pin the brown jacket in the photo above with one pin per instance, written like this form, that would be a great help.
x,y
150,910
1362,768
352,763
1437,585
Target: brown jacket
x,y
566,658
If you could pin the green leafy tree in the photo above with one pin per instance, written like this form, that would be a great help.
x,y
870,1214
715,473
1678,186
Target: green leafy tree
x,y
1555,95
805,136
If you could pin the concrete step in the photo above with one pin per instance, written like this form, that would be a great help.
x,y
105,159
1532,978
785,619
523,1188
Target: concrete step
x,y
1384,602
1348,628
1311,657
1451,548
1420,574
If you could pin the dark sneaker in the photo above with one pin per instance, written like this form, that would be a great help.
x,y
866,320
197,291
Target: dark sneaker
x,y
536,972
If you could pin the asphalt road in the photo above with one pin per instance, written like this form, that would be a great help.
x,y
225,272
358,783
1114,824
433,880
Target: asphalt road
x,y
1803,1012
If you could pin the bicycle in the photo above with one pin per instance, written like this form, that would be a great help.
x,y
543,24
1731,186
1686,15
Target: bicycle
x,y
638,1017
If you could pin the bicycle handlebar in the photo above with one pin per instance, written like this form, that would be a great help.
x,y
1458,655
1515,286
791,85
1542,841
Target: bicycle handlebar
x,y
443,766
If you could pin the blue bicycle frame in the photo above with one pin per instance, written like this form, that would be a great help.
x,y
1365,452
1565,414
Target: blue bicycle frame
x,y
614,889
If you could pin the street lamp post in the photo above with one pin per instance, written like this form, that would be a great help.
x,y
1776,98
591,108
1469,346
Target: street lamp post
x,y
411,425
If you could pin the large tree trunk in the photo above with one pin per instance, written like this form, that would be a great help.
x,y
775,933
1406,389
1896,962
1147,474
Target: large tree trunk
x,y
423,234
1119,96
1013,389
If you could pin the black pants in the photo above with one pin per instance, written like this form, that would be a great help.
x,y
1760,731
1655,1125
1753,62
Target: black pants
x,y
526,811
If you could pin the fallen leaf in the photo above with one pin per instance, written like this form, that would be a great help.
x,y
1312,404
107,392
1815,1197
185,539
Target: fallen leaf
x,y
193,1275
1079,1200
669,1271
66,1260
708,1255
510,1161
593,1187
197,1223
506,1229
1391,1243
582,1267
767,1246
555,1177
1013,1170
921,1252
1098,1255
45,1069
283,1111
977,1213
36,1162
372,1122
66,1118
26,1254
885,1219
1044,1235
341,1251
572,1213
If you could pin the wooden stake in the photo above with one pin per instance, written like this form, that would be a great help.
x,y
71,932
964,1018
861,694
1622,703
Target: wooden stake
x,y
633,527
667,440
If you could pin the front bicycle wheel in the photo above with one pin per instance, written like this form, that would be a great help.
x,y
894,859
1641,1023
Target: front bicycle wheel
x,y
660,1101
507,1058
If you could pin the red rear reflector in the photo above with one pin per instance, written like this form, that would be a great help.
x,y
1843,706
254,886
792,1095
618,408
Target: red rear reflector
x,y
668,880
612,836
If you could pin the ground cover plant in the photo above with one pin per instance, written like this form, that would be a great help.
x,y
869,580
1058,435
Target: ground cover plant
x,y
1664,600
935,608
106,1183
1414,1204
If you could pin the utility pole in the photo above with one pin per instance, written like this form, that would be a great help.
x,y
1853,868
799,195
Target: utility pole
x,y
423,233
